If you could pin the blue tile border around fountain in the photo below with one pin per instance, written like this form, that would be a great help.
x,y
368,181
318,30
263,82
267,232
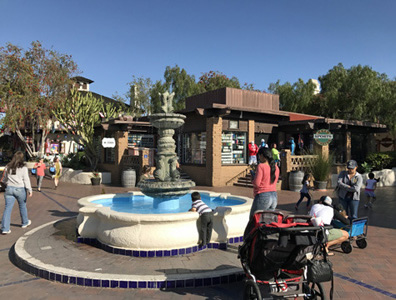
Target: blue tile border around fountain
x,y
157,253
135,284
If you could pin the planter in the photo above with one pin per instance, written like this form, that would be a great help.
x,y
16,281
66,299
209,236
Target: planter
x,y
95,180
320,185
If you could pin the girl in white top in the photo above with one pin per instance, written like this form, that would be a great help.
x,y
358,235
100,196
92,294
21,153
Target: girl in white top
x,y
371,185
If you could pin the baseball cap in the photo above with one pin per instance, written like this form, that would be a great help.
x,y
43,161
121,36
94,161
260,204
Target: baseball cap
x,y
351,164
326,199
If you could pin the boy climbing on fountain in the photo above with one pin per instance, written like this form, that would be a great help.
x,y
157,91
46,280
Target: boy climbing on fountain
x,y
205,217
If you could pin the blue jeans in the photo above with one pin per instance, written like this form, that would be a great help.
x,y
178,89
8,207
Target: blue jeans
x,y
264,201
351,207
10,195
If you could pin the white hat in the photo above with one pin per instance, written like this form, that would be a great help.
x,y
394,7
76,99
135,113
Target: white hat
x,y
327,200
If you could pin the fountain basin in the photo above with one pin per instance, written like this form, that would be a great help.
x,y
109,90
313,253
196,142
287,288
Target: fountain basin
x,y
166,231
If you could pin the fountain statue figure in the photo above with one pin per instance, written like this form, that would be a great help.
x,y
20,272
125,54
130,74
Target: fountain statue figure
x,y
167,182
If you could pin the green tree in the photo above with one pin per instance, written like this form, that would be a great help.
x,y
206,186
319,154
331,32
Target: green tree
x,y
355,94
295,97
214,80
183,85
79,115
138,96
33,82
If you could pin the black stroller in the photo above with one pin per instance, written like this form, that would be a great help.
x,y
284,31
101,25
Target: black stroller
x,y
280,257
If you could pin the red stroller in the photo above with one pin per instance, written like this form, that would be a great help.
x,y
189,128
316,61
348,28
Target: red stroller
x,y
277,256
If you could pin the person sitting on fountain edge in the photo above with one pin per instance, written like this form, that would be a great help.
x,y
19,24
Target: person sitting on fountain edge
x,y
205,217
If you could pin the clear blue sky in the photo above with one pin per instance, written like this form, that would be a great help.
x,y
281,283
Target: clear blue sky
x,y
258,41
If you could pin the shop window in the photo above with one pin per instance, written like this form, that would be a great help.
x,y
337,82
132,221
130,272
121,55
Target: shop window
x,y
194,148
141,140
109,155
233,150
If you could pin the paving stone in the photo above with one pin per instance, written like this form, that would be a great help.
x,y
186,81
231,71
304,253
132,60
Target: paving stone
x,y
373,265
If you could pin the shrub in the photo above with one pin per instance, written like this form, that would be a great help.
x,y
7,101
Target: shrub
x,y
379,160
320,167
75,161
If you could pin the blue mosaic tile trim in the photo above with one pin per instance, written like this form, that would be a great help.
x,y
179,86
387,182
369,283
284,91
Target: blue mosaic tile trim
x,y
158,253
123,284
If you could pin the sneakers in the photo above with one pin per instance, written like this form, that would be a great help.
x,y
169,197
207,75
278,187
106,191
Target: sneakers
x,y
28,224
6,232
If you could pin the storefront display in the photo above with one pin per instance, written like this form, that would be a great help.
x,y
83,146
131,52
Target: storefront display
x,y
233,149
194,148
141,140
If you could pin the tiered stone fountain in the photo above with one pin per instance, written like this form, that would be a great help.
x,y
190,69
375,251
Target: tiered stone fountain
x,y
167,184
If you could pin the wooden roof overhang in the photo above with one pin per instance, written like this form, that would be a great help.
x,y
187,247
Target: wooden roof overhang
x,y
332,125
237,113
126,125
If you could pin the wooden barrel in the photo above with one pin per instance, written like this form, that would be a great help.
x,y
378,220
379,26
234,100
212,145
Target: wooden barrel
x,y
128,178
295,179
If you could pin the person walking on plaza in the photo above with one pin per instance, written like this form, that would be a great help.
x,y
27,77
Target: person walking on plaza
x,y
58,171
205,218
253,149
371,185
304,192
40,173
264,182
349,184
18,183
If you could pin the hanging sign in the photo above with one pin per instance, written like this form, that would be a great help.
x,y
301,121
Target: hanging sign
x,y
108,142
323,137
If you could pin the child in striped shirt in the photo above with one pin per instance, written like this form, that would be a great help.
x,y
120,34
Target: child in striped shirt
x,y
205,217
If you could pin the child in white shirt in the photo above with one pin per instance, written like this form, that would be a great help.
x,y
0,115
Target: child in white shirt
x,y
371,185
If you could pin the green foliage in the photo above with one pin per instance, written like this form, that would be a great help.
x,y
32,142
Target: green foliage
x,y
79,115
321,166
145,94
33,82
366,167
295,97
379,161
139,96
357,93
76,161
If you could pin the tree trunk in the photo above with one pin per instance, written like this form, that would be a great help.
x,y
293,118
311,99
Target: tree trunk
x,y
27,147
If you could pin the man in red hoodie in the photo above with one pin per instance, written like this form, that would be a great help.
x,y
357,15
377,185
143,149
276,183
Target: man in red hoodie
x,y
253,149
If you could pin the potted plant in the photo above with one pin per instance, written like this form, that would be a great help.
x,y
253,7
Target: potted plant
x,y
320,168
95,179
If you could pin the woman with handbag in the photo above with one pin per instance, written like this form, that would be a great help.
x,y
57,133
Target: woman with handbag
x,y
40,172
18,183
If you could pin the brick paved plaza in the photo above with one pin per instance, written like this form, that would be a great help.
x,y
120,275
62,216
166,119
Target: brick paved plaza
x,y
363,274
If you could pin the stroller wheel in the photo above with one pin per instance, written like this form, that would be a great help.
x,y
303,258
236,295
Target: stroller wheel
x,y
362,243
313,291
346,247
252,291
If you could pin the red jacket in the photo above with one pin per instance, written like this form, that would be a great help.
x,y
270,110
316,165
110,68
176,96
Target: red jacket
x,y
253,149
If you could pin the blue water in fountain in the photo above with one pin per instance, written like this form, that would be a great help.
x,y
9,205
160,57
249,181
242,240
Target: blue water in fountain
x,y
141,204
